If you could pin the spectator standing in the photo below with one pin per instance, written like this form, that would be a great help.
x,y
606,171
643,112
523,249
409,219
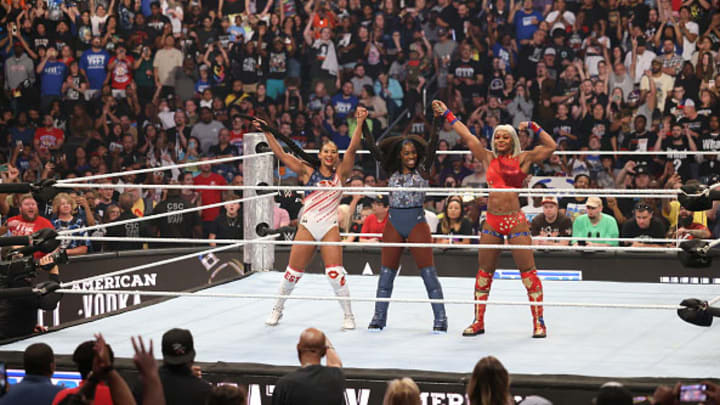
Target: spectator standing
x,y
208,178
52,75
313,383
131,230
93,65
344,102
551,223
29,221
36,387
166,61
207,130
525,19
186,225
19,76
64,219
595,224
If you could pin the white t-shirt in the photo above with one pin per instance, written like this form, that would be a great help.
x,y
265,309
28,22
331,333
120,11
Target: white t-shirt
x,y
689,47
644,62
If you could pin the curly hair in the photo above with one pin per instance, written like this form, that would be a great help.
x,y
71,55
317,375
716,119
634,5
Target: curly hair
x,y
392,147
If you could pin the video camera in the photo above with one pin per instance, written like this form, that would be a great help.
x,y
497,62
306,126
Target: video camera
x,y
19,264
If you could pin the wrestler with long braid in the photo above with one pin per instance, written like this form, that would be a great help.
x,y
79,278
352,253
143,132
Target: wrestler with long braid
x,y
506,166
408,159
318,218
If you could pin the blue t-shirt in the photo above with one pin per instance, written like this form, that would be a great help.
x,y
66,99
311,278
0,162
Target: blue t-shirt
x,y
26,135
343,105
53,75
526,24
95,66
75,223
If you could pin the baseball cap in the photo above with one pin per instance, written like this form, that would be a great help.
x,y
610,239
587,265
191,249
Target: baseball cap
x,y
613,393
441,31
594,202
383,199
642,168
549,51
177,347
535,400
550,199
688,103
658,59
641,41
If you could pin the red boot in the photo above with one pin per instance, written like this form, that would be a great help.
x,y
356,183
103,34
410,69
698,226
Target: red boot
x,y
535,293
483,282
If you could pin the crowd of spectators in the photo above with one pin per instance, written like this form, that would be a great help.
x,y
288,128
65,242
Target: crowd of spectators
x,y
319,380
114,85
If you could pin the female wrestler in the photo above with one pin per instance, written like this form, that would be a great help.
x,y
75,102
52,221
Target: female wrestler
x,y
318,218
408,159
506,166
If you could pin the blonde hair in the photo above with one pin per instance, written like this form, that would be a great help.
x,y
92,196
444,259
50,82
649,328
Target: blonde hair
x,y
509,129
344,217
402,391
58,200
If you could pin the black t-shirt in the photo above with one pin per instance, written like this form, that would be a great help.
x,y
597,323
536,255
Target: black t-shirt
x,y
466,228
277,65
681,161
178,225
630,229
697,125
710,142
567,125
561,227
292,202
311,385
224,227
131,230
601,128
156,22
465,70
528,59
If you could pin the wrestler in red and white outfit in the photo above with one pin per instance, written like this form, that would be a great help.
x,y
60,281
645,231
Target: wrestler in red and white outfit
x,y
319,216
507,167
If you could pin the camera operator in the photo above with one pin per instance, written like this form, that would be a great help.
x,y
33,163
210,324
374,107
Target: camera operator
x,y
18,316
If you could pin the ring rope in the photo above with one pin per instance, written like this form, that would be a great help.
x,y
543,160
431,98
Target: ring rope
x,y
377,235
387,244
622,192
201,294
161,168
161,215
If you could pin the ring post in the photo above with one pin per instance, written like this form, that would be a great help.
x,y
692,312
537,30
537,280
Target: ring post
x,y
260,257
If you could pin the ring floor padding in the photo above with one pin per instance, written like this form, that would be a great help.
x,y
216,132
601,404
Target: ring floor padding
x,y
581,341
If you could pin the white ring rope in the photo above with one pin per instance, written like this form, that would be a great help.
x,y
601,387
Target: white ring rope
x,y
375,235
201,294
568,152
160,168
387,244
621,192
149,265
161,215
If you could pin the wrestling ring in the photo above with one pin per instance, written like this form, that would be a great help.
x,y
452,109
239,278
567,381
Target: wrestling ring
x,y
598,330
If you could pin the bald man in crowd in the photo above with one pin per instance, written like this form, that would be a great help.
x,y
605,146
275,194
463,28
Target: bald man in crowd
x,y
313,383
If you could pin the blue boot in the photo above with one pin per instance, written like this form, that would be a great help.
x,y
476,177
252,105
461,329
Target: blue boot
x,y
434,291
384,290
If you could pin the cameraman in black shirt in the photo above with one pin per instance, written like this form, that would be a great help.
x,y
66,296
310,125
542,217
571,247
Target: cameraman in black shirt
x,y
18,315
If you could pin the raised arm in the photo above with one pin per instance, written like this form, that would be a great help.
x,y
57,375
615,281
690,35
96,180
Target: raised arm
x,y
368,141
468,138
546,144
313,161
349,158
303,169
